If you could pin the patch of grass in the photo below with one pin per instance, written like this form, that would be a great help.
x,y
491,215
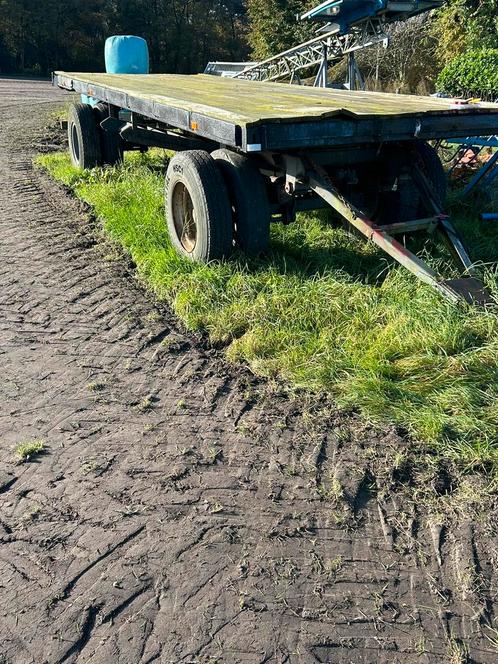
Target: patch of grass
x,y
492,637
323,311
60,114
457,652
26,451
146,404
95,386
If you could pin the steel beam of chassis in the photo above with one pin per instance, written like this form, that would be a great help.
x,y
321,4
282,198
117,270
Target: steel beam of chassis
x,y
164,139
313,52
320,183
345,131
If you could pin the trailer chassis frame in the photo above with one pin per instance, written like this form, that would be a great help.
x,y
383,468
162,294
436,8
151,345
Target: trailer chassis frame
x,y
305,173
297,154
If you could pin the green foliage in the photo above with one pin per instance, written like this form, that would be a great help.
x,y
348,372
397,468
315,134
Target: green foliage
x,y
474,73
448,27
25,451
274,26
409,64
462,25
183,35
323,312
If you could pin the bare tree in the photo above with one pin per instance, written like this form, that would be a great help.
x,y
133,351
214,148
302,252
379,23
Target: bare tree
x,y
408,64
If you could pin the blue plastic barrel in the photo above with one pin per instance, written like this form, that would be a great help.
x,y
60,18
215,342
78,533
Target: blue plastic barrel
x,y
126,54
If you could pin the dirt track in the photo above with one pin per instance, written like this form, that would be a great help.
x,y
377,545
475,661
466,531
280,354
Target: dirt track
x,y
185,512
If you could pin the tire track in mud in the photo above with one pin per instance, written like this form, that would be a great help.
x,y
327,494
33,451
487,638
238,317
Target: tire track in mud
x,y
185,512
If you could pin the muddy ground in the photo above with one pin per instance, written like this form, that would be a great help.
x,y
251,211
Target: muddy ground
x,y
185,511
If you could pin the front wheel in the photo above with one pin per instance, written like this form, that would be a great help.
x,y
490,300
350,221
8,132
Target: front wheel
x,y
84,137
198,213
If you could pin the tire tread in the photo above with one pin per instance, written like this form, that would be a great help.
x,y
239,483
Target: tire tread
x,y
110,142
82,115
211,190
247,190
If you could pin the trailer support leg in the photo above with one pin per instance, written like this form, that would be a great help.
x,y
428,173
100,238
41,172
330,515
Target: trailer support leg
x,y
467,288
449,233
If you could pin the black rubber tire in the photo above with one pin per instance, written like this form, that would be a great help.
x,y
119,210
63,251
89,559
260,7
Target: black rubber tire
x,y
249,201
434,169
111,143
406,204
192,179
83,136
411,205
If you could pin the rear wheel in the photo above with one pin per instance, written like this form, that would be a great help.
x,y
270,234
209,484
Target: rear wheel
x,y
405,202
111,143
248,199
83,136
434,169
198,210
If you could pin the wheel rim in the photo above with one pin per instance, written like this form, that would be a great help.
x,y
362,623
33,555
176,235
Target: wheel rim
x,y
75,144
184,217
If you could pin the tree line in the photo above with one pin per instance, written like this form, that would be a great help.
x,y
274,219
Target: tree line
x,y
39,36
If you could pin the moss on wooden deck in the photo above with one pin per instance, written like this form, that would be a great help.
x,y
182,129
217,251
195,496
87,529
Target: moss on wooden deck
x,y
247,102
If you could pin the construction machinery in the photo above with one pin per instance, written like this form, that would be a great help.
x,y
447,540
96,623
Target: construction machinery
x,y
344,28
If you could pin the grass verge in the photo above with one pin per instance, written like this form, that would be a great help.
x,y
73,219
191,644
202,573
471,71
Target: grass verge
x,y
323,312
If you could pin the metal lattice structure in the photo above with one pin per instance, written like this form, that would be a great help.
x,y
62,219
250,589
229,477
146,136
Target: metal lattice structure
x,y
320,50
346,27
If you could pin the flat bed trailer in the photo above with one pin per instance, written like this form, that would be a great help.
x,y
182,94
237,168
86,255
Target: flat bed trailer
x,y
250,152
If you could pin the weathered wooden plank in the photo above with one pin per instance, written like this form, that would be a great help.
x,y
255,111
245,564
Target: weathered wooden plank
x,y
247,102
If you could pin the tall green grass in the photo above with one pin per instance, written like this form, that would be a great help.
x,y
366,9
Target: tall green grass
x,y
323,312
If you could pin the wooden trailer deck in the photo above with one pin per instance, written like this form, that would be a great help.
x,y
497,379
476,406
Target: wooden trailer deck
x,y
257,116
